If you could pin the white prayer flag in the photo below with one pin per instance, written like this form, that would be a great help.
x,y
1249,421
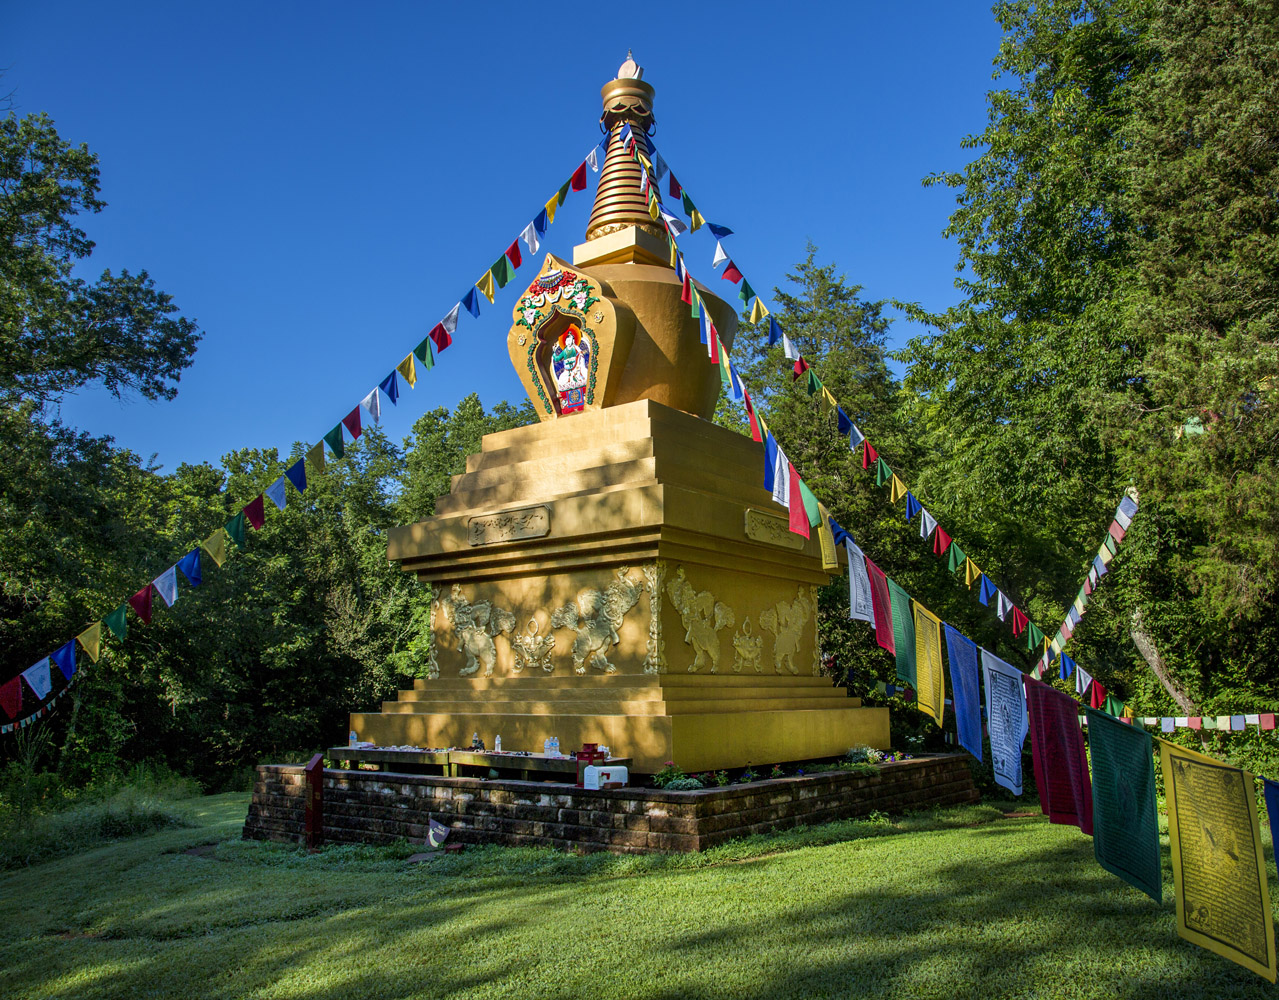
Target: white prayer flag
x,y
1181,721
593,160
720,255
789,349
1082,680
676,225
781,479
276,492
927,524
1002,605
449,322
1006,719
372,403
166,585
856,437
529,236
38,677
1124,520
860,605
1252,720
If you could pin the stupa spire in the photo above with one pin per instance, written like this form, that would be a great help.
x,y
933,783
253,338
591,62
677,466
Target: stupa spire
x,y
619,201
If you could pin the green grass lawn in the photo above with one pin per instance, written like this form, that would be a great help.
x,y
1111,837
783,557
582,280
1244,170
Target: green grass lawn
x,y
951,904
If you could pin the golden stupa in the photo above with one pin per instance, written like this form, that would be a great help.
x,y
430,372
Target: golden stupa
x,y
617,573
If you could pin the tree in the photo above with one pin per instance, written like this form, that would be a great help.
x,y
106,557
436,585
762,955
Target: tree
x,y
57,332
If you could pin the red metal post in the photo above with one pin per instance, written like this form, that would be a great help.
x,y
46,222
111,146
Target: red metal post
x,y
315,802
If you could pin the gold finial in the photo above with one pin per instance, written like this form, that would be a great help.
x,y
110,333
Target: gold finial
x,y
619,200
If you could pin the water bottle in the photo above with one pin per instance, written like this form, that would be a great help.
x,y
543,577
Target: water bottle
x,y
555,746
353,739
497,744
546,747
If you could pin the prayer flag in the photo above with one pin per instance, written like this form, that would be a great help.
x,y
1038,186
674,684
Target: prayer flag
x,y
296,474
502,270
987,590
801,366
745,293
883,473
962,653
731,273
1116,532
971,573
795,505
1067,667
1097,695
957,558
550,207
770,463
1129,506
485,285
578,180
758,311
255,513
352,423
334,439
830,561
1007,720
166,585
1061,766
314,458
931,689
750,413
675,189
1219,874
190,566
390,387
811,507
529,235
941,541
39,679
408,370
718,231
896,488
513,254
913,506
855,437
1126,827
117,622
882,604
861,606
788,349
562,193
1082,680
91,639
903,633
215,545
11,697
1033,636
141,604
472,302
1002,605
720,255
276,493
1272,810
1020,621
695,221
781,479
64,657
927,524
235,528
372,402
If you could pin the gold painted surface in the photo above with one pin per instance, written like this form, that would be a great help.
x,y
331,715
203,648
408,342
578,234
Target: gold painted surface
x,y
509,525
771,529
595,618
702,617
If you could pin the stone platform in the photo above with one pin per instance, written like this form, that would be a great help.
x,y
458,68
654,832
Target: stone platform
x,y
366,807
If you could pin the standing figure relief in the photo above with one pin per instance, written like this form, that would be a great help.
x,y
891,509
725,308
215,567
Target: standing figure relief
x,y
476,625
596,618
703,617
786,620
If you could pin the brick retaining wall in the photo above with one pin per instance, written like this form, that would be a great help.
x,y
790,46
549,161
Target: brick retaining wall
x,y
378,807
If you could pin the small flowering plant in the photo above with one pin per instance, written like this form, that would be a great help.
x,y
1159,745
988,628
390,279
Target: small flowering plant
x,y
671,772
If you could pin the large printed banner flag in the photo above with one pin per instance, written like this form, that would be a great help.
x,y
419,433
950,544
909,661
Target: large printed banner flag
x,y
1006,710
962,653
1061,766
931,687
903,634
1125,825
1223,902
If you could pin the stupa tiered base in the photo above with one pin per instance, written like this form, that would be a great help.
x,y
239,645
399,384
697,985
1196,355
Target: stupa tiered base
x,y
621,577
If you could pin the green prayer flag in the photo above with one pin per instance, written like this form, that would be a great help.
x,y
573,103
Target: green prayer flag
x,y
1125,824
1109,542
1209,722
424,355
810,505
118,622
957,558
724,376
814,383
235,528
745,293
882,472
697,305
903,633
1034,638
562,193
334,438
689,207
1113,706
502,270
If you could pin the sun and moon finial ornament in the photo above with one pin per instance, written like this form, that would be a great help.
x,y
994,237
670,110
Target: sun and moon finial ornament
x,y
630,70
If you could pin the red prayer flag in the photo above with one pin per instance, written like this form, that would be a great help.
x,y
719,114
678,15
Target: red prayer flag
x,y
750,412
712,345
255,513
578,180
731,273
1197,722
1116,532
686,296
352,423
1096,694
141,603
1268,720
513,252
1057,745
941,541
880,603
869,455
676,190
798,516
1020,621
801,366
441,337
11,697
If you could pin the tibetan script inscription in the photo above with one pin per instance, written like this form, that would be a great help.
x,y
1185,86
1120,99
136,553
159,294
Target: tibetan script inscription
x,y
771,530
509,525
1223,902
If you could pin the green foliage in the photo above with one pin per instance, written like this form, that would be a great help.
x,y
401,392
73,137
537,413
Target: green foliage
x,y
686,784
671,772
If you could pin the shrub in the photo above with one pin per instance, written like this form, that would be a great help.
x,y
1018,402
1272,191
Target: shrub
x,y
682,785
671,772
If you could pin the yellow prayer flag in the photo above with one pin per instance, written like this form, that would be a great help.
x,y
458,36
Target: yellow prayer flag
x,y
896,489
930,682
315,457
550,207
1078,605
758,312
654,211
1055,648
971,572
409,370
828,402
1129,713
485,285
1218,870
1105,555
695,221
674,250
91,640
648,164
215,545
830,559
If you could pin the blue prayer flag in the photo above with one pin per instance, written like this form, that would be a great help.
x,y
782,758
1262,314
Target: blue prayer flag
x,y
297,474
840,534
913,506
774,331
770,460
842,422
65,659
718,231
1099,566
962,654
1237,723
190,566
472,302
540,224
987,590
1067,667
738,391
391,387
1128,506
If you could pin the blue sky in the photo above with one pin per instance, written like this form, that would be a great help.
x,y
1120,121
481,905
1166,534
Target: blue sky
x,y
317,187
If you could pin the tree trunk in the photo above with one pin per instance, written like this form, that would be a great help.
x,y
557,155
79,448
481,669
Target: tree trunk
x,y
1145,644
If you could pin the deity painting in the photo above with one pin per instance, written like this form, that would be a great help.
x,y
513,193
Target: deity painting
x,y
570,363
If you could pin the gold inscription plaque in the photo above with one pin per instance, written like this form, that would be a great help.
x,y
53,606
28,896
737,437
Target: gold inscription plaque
x,y
509,525
771,530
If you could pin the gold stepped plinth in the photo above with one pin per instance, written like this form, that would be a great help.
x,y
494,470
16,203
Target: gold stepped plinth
x,y
637,545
